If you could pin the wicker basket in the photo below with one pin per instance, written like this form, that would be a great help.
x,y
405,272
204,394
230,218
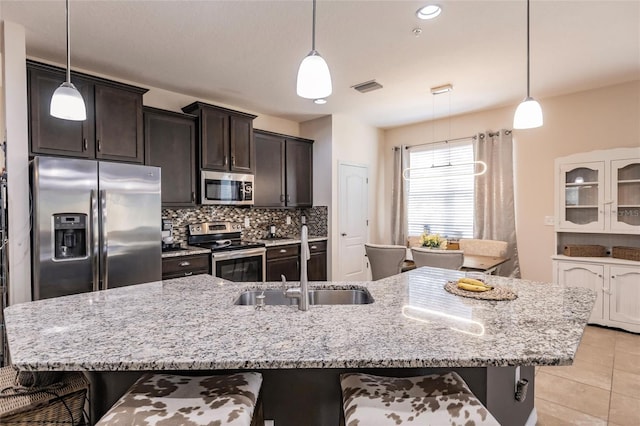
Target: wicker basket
x,y
629,253
61,403
578,250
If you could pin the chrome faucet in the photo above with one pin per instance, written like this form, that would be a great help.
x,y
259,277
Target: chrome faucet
x,y
302,292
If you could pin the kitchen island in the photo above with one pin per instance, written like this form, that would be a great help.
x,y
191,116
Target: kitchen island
x,y
413,327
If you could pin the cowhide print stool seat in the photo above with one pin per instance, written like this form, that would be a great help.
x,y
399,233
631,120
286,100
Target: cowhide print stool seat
x,y
168,400
439,399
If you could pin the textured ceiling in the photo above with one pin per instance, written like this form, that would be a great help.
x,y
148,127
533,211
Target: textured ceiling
x,y
246,53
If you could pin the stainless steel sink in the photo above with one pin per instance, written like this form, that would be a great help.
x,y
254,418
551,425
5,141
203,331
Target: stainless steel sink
x,y
324,296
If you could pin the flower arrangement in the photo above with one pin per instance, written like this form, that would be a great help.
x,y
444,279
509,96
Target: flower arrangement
x,y
433,241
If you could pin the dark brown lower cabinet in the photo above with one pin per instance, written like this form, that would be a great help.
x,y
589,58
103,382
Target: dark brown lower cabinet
x,y
184,266
283,260
317,265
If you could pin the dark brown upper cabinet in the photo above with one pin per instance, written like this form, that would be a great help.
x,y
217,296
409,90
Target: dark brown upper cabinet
x,y
112,130
225,138
284,170
170,143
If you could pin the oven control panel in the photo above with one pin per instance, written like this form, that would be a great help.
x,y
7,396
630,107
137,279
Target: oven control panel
x,y
207,228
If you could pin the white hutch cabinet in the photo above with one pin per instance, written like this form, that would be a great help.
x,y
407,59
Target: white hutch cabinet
x,y
598,203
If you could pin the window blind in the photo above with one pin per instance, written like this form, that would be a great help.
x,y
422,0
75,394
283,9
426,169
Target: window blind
x,y
440,188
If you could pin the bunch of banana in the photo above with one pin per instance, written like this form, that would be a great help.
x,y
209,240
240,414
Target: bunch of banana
x,y
470,284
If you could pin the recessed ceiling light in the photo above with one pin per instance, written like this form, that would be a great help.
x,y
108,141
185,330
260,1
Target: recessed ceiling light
x,y
429,11
320,101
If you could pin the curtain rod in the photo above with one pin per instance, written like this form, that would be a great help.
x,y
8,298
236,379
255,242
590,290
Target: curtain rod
x,y
444,141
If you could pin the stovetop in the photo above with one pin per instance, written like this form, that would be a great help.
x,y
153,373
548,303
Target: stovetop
x,y
219,236
233,245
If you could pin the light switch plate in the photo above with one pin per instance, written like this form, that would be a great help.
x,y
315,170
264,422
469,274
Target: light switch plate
x,y
549,220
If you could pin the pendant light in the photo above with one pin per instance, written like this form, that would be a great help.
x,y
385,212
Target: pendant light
x,y
67,102
314,79
529,113
446,170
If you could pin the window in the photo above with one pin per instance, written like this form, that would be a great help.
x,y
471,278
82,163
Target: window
x,y
440,188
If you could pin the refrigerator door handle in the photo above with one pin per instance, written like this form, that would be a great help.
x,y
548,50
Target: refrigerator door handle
x,y
95,241
105,241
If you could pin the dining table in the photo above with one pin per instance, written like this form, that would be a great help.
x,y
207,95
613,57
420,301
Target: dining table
x,y
471,263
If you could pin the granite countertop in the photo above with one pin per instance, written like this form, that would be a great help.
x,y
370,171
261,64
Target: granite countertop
x,y
186,251
190,250
191,324
288,240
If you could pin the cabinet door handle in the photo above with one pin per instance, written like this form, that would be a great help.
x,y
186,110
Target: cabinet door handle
x,y
84,144
233,160
282,198
225,161
283,251
344,234
606,290
183,264
288,198
186,274
193,197
314,247
99,145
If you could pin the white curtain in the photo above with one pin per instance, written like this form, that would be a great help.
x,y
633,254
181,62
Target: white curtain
x,y
494,197
399,197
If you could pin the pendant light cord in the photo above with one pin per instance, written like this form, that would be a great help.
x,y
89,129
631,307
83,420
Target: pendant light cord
x,y
68,46
313,28
528,54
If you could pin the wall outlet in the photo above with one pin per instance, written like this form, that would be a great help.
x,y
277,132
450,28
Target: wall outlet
x,y
247,222
303,219
288,220
549,220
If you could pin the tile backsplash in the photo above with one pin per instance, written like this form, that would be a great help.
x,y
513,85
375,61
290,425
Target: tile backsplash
x,y
259,220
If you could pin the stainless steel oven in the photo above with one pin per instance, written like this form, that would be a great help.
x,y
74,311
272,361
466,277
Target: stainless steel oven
x,y
226,188
240,265
231,258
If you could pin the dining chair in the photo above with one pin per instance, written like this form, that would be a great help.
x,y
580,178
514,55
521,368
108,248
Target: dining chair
x,y
480,247
446,259
385,260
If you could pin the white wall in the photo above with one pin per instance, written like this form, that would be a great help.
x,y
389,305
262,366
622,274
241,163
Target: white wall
x,y
15,101
603,118
341,138
320,131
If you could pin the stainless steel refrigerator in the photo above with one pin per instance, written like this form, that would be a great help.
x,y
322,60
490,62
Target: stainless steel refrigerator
x,y
96,225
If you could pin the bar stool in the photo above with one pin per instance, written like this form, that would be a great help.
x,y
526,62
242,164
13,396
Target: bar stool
x,y
438,399
170,399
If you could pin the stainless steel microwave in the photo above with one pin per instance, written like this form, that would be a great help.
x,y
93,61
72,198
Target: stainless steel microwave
x,y
226,188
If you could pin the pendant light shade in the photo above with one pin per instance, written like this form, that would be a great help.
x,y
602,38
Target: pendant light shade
x,y
67,102
314,78
529,113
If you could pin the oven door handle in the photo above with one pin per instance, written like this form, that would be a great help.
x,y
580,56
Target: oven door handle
x,y
239,254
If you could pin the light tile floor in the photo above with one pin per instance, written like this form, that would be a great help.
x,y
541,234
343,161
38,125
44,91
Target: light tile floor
x,y
602,387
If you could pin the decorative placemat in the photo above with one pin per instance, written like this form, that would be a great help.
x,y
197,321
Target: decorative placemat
x,y
496,293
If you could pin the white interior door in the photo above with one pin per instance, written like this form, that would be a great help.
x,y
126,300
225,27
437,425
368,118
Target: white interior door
x,y
352,221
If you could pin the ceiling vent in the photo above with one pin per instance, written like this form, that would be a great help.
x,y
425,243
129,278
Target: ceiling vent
x,y
367,86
